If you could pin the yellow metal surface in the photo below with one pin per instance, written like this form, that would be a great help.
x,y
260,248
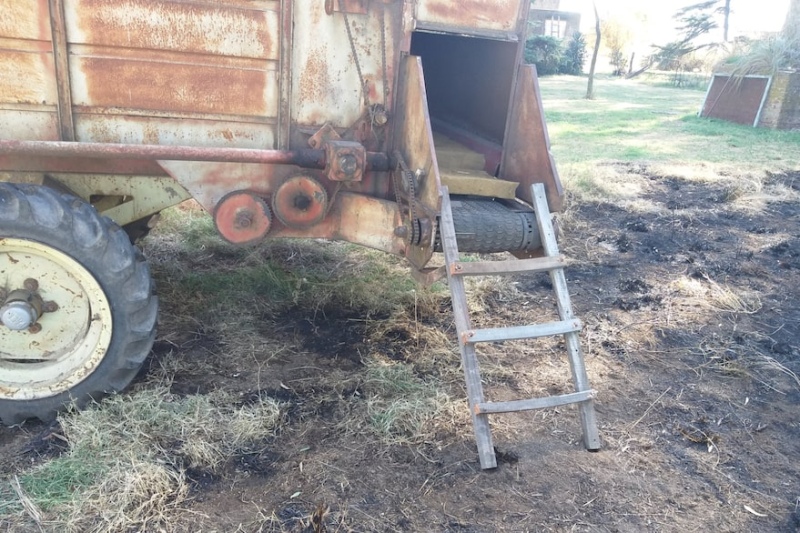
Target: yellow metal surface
x,y
141,196
73,339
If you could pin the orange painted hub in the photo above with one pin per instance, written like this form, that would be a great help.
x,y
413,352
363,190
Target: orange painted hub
x,y
300,202
242,217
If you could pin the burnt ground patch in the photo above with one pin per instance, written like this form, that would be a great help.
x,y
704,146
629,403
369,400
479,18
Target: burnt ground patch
x,y
691,328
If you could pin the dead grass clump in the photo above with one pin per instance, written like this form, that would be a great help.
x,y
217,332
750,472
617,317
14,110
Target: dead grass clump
x,y
401,407
754,192
126,461
592,183
134,492
487,292
709,294
745,360
703,172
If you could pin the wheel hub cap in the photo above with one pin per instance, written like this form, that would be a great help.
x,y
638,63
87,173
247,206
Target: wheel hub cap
x,y
18,315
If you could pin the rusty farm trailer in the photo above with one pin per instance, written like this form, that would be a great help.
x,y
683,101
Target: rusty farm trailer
x,y
393,124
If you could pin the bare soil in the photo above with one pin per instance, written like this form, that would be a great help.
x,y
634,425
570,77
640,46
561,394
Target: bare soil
x,y
689,301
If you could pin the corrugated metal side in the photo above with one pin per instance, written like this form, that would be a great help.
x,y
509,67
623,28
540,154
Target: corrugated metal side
x,y
28,96
202,73
489,15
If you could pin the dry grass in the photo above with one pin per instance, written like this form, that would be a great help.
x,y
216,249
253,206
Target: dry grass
x,y
707,294
127,459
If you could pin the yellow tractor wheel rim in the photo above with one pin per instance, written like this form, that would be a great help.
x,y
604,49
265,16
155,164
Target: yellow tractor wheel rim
x,y
72,340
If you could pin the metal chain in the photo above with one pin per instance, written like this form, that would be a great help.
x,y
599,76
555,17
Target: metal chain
x,y
383,56
363,82
403,177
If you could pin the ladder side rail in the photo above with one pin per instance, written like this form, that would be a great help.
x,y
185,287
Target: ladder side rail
x,y
469,360
580,378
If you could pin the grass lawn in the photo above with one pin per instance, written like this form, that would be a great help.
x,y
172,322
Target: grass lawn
x,y
632,121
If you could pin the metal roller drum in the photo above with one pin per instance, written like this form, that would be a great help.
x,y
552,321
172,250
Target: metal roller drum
x,y
489,226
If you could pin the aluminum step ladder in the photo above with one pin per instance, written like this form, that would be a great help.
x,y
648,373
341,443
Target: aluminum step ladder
x,y
468,338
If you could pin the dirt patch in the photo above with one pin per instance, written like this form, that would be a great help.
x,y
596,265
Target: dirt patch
x,y
689,301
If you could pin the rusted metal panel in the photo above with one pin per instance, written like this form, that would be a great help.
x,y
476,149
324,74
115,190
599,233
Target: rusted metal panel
x,y
34,124
176,72
735,100
175,130
102,81
28,94
238,29
494,15
325,80
527,158
25,20
27,76
358,219
209,182
414,140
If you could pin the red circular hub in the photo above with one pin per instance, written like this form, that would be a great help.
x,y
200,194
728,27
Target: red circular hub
x,y
242,217
300,202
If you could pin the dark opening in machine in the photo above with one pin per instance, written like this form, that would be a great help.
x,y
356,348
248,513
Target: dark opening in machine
x,y
469,84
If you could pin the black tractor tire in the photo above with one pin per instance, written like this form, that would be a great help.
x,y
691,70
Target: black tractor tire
x,y
52,224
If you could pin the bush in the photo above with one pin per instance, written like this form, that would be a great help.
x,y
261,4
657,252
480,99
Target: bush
x,y
545,52
574,55
551,56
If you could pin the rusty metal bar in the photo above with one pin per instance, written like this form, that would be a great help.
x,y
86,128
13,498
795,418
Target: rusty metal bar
x,y
58,27
285,107
307,158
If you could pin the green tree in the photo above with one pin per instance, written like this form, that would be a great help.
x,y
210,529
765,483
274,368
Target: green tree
x,y
545,52
574,55
791,27
695,21
617,37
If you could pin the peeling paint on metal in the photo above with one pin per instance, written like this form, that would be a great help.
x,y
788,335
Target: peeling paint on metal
x,y
28,20
112,82
101,127
27,77
498,15
325,81
223,29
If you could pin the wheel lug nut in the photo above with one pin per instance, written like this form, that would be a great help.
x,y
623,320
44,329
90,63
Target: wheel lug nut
x,y
31,284
34,329
50,307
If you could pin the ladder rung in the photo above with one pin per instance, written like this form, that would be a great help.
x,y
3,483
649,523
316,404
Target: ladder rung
x,y
496,268
487,408
532,331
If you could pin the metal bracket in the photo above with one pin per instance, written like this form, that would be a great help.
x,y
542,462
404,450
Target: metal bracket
x,y
345,160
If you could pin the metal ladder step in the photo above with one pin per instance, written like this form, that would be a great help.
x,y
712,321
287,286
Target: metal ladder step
x,y
498,268
533,331
489,408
